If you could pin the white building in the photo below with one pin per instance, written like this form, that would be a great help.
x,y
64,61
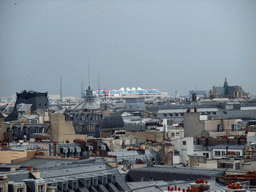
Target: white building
x,y
184,146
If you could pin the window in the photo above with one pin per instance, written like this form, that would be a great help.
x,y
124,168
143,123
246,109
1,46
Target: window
x,y
177,133
40,188
219,128
172,134
20,190
232,127
223,153
184,143
217,153
206,154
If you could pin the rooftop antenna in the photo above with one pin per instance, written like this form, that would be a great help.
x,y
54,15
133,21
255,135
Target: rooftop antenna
x,y
99,84
82,88
88,74
60,89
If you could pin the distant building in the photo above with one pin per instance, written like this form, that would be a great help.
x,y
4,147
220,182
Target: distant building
x,y
228,91
135,104
37,101
198,93
196,124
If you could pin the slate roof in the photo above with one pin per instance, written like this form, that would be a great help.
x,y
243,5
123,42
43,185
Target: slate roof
x,y
136,186
53,170
171,173
224,146
19,177
36,99
114,120
43,163
88,102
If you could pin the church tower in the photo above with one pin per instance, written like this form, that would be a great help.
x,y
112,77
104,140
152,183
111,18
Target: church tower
x,y
226,87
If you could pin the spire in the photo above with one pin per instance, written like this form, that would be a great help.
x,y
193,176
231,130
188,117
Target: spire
x,y
88,75
226,87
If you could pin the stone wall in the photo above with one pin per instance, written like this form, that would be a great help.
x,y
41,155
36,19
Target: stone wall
x,y
30,155
3,129
6,157
156,136
60,128
194,160
192,125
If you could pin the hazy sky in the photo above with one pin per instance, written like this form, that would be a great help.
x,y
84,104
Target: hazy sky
x,y
165,44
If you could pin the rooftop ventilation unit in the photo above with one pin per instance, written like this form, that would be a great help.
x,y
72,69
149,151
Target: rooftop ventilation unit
x,y
16,185
85,181
103,179
73,184
63,185
94,181
112,178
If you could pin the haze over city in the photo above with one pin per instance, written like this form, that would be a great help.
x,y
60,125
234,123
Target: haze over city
x,y
167,45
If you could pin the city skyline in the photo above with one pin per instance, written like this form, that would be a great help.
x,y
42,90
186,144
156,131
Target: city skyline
x,y
168,45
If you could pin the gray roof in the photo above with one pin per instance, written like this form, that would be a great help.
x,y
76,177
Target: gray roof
x,y
54,170
200,148
171,173
19,176
132,155
137,186
185,110
114,120
220,90
251,140
224,146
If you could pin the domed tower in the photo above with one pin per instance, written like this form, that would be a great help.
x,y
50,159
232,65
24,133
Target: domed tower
x,y
89,102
